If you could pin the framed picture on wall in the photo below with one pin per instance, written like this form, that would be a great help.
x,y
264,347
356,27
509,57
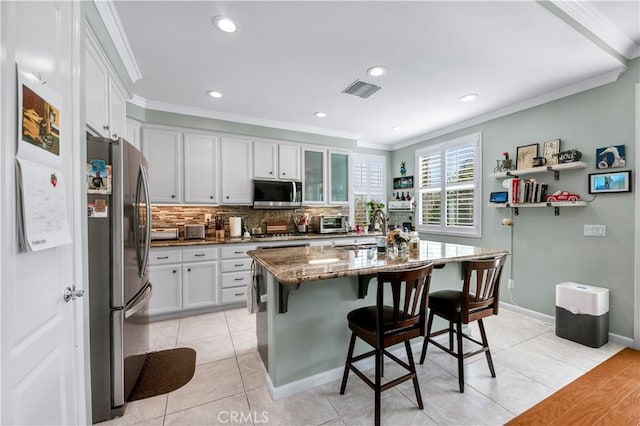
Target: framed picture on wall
x,y
550,151
525,155
610,182
610,157
404,182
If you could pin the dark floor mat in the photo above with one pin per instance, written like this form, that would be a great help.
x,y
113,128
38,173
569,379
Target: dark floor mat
x,y
163,372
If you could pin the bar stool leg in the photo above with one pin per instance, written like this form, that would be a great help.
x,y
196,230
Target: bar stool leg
x,y
426,338
378,381
485,344
460,356
347,364
416,386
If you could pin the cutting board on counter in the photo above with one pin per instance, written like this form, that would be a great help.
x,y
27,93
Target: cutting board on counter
x,y
276,227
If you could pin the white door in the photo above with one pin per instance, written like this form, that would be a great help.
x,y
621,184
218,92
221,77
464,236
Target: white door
x,y
265,154
42,370
289,159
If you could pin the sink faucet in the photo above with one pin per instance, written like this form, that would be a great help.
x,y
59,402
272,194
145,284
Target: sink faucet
x,y
379,214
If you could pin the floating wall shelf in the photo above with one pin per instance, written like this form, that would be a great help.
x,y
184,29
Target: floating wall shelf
x,y
556,168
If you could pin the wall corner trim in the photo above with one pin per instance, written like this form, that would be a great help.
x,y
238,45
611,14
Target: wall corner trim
x,y
111,20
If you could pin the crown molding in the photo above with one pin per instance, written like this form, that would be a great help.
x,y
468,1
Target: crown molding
x,y
237,118
111,20
592,20
373,145
563,92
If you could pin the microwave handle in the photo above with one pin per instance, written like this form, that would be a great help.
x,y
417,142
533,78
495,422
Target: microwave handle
x,y
294,198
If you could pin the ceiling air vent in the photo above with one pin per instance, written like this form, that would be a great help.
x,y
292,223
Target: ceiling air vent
x,y
361,89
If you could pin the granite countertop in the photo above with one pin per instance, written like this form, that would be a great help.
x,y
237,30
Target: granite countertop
x,y
301,264
212,240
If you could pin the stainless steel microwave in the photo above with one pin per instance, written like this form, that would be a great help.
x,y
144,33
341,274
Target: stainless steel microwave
x,y
274,194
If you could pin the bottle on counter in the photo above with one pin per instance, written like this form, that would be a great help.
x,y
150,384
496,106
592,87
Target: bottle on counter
x,y
414,243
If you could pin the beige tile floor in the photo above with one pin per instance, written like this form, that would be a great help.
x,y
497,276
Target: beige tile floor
x,y
531,363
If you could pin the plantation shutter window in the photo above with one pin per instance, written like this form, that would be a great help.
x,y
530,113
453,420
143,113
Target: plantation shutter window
x,y
368,173
449,178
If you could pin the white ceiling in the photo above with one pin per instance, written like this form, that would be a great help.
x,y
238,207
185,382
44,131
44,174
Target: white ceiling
x,y
288,60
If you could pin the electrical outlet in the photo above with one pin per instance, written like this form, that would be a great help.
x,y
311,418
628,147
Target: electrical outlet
x,y
207,217
595,231
511,283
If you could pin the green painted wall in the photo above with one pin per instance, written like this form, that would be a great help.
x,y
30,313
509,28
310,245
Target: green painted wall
x,y
548,250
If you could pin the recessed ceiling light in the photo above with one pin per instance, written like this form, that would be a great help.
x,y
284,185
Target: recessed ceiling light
x,y
320,114
376,71
396,128
214,94
469,98
224,23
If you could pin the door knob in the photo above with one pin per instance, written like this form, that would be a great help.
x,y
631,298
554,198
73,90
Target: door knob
x,y
70,293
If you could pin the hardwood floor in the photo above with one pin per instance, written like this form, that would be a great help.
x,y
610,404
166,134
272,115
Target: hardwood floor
x,y
609,394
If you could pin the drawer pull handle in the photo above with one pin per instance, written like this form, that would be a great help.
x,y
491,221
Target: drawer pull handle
x,y
238,294
238,265
238,252
162,257
238,279
199,254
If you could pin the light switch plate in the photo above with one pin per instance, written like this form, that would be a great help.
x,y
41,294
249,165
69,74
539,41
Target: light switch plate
x,y
595,231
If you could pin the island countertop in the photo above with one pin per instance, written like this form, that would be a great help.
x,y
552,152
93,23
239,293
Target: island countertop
x,y
293,266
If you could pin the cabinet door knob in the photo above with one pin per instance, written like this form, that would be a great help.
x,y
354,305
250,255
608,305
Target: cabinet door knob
x,y
270,173
211,196
115,136
227,197
174,271
189,270
283,173
105,127
173,196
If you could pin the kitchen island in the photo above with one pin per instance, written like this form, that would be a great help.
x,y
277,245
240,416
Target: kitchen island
x,y
305,295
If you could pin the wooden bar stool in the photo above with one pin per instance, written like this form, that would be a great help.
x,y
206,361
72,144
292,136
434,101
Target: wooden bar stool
x,y
478,299
382,326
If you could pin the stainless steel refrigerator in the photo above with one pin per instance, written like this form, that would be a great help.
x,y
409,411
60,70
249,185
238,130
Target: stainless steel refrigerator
x,y
119,230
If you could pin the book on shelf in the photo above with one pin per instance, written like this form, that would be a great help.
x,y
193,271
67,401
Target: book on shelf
x,y
524,191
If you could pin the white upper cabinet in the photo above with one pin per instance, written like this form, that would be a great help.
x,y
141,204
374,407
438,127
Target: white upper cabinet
x,y
134,129
162,149
235,170
276,161
105,99
314,176
200,168
289,162
338,177
265,166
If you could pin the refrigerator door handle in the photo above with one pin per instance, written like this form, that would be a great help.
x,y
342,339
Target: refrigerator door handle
x,y
147,200
136,304
142,186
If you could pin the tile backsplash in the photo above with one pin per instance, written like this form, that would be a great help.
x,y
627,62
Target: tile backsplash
x,y
163,216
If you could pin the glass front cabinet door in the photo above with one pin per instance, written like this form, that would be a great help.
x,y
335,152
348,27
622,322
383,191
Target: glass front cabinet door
x,y
314,176
339,174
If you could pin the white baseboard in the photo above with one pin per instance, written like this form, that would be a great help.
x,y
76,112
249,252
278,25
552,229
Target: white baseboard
x,y
279,392
616,338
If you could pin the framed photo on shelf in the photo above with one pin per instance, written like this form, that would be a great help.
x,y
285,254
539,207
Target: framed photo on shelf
x,y
525,155
404,182
610,182
550,151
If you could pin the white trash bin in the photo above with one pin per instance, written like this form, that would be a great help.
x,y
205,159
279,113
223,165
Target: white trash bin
x,y
582,313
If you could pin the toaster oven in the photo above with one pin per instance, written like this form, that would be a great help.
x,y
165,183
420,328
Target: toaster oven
x,y
331,224
194,232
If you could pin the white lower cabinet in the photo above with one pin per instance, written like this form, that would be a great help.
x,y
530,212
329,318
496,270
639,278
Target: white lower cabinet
x,y
183,279
235,273
199,285
167,289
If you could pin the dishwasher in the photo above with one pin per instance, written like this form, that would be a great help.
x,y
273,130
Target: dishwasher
x,y
260,293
